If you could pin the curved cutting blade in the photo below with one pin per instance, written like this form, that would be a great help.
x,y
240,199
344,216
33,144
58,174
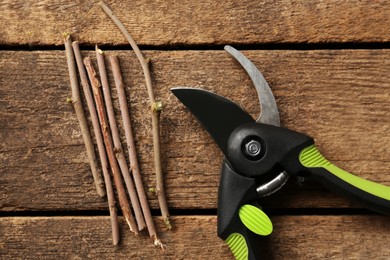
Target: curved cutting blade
x,y
269,113
218,115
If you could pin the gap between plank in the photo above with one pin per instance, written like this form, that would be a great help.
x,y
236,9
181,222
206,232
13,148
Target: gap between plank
x,y
205,47
196,212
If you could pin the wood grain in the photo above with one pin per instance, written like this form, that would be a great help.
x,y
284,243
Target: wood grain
x,y
294,237
340,97
205,22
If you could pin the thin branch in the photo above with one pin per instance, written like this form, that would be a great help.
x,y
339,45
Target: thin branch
x,y
117,142
115,67
78,107
100,144
124,203
144,64
156,108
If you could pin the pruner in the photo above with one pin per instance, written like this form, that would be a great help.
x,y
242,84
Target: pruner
x,y
260,157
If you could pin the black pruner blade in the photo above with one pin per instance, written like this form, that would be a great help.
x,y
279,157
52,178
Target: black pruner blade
x,y
218,115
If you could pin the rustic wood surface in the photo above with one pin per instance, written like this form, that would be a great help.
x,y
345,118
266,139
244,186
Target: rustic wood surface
x,y
210,22
49,208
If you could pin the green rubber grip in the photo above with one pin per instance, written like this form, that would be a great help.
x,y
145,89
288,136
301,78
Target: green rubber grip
x,y
253,222
237,245
373,195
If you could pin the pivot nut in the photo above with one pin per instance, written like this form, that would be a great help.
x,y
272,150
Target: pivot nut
x,y
253,148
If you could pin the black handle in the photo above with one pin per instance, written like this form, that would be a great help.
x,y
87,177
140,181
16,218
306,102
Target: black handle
x,y
241,222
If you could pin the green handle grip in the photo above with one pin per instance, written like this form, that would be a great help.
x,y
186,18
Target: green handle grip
x,y
250,227
373,195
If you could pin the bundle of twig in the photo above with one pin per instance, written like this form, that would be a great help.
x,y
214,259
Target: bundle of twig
x,y
108,140
156,107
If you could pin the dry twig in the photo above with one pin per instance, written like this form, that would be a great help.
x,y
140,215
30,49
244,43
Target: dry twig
x,y
117,142
156,108
78,107
100,144
131,146
96,87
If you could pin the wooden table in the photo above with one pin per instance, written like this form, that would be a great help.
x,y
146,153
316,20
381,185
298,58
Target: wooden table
x,y
328,63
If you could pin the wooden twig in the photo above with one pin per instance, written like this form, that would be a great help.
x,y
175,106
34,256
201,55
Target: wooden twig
x,y
100,144
117,142
131,147
123,202
156,108
78,107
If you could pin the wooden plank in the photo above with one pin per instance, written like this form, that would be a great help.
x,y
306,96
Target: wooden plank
x,y
294,237
196,22
340,97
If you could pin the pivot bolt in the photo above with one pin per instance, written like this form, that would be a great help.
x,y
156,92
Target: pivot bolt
x,y
253,148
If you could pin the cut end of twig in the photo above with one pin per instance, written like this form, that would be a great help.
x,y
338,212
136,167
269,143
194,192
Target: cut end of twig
x,y
115,241
98,50
130,226
100,189
167,221
95,83
157,242
157,106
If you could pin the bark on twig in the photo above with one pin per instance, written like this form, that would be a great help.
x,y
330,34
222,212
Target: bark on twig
x,y
100,144
117,142
156,108
78,107
115,67
124,203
